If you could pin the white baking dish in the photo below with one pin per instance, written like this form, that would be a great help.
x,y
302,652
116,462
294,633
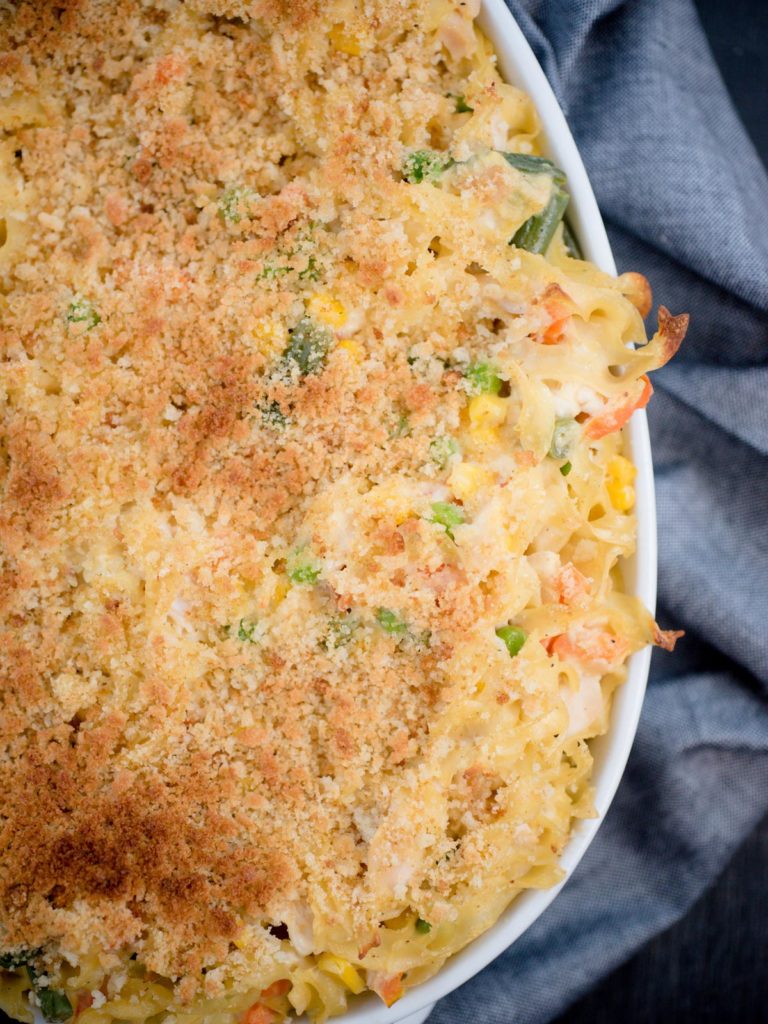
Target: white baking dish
x,y
519,66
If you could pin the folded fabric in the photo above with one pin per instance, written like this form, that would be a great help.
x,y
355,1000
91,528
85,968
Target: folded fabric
x,y
685,198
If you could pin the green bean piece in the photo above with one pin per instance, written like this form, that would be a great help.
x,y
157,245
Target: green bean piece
x,y
564,438
529,164
538,231
571,242
54,1005
513,638
402,428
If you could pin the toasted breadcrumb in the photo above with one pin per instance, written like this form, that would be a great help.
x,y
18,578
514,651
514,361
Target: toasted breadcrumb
x,y
253,701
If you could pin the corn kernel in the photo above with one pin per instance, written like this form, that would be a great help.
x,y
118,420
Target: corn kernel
x,y
622,496
327,310
396,923
281,589
343,970
622,470
487,411
267,332
354,348
344,41
467,478
620,477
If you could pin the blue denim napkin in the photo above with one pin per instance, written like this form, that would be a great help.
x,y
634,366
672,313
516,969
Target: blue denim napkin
x,y
685,199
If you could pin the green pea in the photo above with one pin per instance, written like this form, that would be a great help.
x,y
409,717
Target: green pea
x,y
566,468
302,568
390,622
448,515
564,438
423,927
513,638
482,379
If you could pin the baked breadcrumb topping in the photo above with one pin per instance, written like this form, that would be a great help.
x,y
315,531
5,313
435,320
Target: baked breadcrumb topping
x,y
312,498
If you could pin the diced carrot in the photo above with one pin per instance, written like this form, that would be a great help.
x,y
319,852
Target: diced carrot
x,y
596,647
388,987
260,1014
555,333
84,1002
560,307
666,638
571,586
616,414
278,988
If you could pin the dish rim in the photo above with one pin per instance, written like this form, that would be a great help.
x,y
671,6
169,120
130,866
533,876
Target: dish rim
x,y
519,66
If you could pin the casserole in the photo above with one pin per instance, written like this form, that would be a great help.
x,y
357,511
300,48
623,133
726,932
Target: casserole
x,y
412,599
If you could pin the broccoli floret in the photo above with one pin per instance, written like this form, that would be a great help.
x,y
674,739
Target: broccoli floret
x,y
273,416
442,449
11,961
424,165
81,311
246,630
232,201
308,348
340,633
312,272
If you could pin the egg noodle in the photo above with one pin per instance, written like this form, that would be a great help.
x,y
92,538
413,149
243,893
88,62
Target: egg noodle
x,y
313,503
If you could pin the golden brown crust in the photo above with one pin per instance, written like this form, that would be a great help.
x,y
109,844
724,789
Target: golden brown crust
x,y
204,715
666,638
636,287
672,331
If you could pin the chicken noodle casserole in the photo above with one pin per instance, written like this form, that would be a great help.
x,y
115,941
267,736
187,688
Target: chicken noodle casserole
x,y
313,498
